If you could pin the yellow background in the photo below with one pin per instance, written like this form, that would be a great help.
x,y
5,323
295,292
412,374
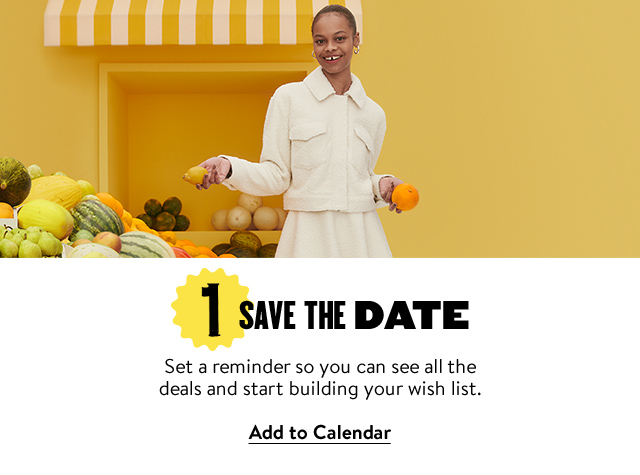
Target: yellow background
x,y
517,121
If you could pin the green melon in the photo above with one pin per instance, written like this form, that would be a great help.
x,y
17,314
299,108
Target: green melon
x,y
138,244
148,220
172,205
182,223
15,182
96,217
221,248
242,251
153,207
245,239
164,222
268,250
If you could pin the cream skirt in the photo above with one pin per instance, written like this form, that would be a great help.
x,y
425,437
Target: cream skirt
x,y
333,234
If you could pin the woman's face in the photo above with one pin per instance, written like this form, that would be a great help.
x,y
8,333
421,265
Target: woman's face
x,y
333,43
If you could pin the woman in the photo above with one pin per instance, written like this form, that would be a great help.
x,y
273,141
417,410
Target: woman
x,y
322,138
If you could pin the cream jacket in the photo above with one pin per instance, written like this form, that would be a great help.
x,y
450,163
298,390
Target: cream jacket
x,y
319,149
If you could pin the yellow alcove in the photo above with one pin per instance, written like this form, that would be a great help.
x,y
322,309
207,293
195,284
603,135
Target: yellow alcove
x,y
158,120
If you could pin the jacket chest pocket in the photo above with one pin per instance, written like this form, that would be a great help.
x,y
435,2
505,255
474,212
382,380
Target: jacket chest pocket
x,y
363,150
308,144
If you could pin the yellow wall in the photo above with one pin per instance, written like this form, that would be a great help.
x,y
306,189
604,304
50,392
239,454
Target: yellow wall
x,y
517,121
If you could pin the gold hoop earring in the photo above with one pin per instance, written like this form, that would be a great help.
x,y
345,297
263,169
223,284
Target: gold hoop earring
x,y
313,54
356,50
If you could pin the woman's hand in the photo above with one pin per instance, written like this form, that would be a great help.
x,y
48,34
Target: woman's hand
x,y
387,185
217,170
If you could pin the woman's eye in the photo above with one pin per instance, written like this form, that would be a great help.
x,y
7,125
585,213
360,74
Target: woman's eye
x,y
340,38
319,42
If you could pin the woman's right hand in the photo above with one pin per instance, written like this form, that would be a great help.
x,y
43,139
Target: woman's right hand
x,y
217,170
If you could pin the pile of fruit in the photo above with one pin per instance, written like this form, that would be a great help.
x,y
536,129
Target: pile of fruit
x,y
241,244
54,211
249,213
30,242
165,216
58,216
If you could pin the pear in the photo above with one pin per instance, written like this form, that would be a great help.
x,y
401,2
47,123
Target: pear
x,y
28,249
49,245
8,248
34,236
18,235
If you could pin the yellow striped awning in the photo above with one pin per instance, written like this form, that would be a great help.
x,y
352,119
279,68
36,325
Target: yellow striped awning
x,y
183,22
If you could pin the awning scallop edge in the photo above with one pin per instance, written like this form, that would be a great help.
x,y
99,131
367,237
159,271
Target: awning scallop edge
x,y
183,22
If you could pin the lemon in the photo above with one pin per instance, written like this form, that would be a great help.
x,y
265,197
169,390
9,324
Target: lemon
x,y
195,175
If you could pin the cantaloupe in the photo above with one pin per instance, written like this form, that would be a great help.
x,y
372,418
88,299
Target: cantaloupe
x,y
219,220
238,218
265,218
249,202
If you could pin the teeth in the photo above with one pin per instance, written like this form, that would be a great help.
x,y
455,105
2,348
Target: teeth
x,y
332,58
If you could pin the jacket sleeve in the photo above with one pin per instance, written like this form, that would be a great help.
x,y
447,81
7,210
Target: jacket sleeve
x,y
377,146
272,175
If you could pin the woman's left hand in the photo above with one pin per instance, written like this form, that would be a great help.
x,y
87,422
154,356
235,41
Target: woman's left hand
x,y
387,185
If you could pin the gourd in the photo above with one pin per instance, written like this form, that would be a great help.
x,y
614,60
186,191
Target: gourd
x,y
15,182
59,189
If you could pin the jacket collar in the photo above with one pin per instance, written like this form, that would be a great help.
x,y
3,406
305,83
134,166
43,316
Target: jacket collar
x,y
321,88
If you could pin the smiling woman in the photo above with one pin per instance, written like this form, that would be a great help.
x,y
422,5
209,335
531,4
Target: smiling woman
x,y
322,138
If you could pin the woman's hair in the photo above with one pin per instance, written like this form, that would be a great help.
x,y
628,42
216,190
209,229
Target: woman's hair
x,y
339,9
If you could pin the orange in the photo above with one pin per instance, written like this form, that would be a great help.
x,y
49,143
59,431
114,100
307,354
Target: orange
x,y
111,202
206,251
169,236
405,196
227,255
184,242
203,255
6,211
193,251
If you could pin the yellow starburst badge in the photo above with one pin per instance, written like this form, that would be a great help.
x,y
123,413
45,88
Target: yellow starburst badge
x,y
208,309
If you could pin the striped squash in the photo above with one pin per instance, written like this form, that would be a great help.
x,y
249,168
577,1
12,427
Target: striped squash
x,y
96,217
141,244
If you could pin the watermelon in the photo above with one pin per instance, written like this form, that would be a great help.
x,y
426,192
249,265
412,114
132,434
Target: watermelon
x,y
181,253
15,182
141,244
96,217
